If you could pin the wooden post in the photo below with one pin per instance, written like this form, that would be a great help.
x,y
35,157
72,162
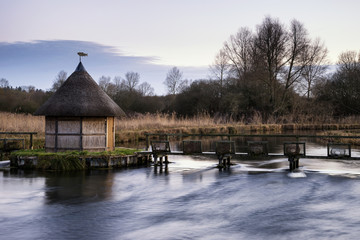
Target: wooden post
x,y
155,169
31,141
293,163
155,160
127,161
147,143
220,161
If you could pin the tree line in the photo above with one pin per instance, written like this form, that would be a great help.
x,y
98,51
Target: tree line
x,y
273,70
25,99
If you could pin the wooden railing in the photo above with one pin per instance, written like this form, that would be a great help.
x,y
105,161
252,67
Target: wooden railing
x,y
296,137
31,134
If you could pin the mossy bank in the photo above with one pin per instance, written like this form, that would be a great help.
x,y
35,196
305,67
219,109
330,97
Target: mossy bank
x,y
76,160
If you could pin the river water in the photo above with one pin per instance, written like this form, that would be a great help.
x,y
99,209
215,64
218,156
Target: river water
x,y
191,199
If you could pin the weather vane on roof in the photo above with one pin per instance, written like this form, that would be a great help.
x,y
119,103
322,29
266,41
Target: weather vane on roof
x,y
82,54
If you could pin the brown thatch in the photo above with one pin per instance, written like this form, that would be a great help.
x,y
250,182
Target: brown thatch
x,y
80,96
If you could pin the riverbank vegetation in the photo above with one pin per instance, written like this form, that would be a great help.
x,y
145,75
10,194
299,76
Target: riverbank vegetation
x,y
69,160
42,153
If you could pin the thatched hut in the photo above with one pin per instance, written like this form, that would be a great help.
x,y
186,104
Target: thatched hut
x,y
80,116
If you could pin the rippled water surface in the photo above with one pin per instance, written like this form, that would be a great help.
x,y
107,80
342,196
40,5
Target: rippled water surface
x,y
191,199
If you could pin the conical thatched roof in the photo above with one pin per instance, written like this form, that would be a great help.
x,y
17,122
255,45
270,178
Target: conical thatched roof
x,y
80,96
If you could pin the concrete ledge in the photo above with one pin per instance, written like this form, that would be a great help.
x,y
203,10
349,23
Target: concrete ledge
x,y
31,162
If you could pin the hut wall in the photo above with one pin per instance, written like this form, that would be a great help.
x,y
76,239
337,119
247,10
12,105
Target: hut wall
x,y
69,126
94,134
50,133
50,125
94,142
68,142
93,125
75,133
49,141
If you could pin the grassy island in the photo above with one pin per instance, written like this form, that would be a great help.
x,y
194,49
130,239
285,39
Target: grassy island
x,y
71,160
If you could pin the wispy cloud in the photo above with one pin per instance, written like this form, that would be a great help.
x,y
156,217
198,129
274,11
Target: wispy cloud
x,y
38,62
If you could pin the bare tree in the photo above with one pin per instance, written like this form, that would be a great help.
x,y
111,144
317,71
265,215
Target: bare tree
x,y
239,51
59,80
104,83
316,66
349,61
119,84
28,89
271,49
117,80
295,61
174,81
220,68
145,89
290,58
4,83
132,80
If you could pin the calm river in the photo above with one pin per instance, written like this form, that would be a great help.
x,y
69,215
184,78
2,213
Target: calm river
x,y
189,200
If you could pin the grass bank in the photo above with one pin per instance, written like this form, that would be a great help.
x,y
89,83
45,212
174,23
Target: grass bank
x,y
69,160
42,152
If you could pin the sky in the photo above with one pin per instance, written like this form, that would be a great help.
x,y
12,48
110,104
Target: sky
x,y
39,38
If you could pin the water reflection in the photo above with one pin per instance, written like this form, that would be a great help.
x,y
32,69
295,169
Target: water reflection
x,y
77,187
164,168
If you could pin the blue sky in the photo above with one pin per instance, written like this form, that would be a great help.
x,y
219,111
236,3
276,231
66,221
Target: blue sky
x,y
41,37
37,63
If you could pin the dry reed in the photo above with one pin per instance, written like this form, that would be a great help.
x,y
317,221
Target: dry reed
x,y
133,128
18,122
167,121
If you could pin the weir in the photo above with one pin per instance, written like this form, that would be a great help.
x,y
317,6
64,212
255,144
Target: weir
x,y
225,150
